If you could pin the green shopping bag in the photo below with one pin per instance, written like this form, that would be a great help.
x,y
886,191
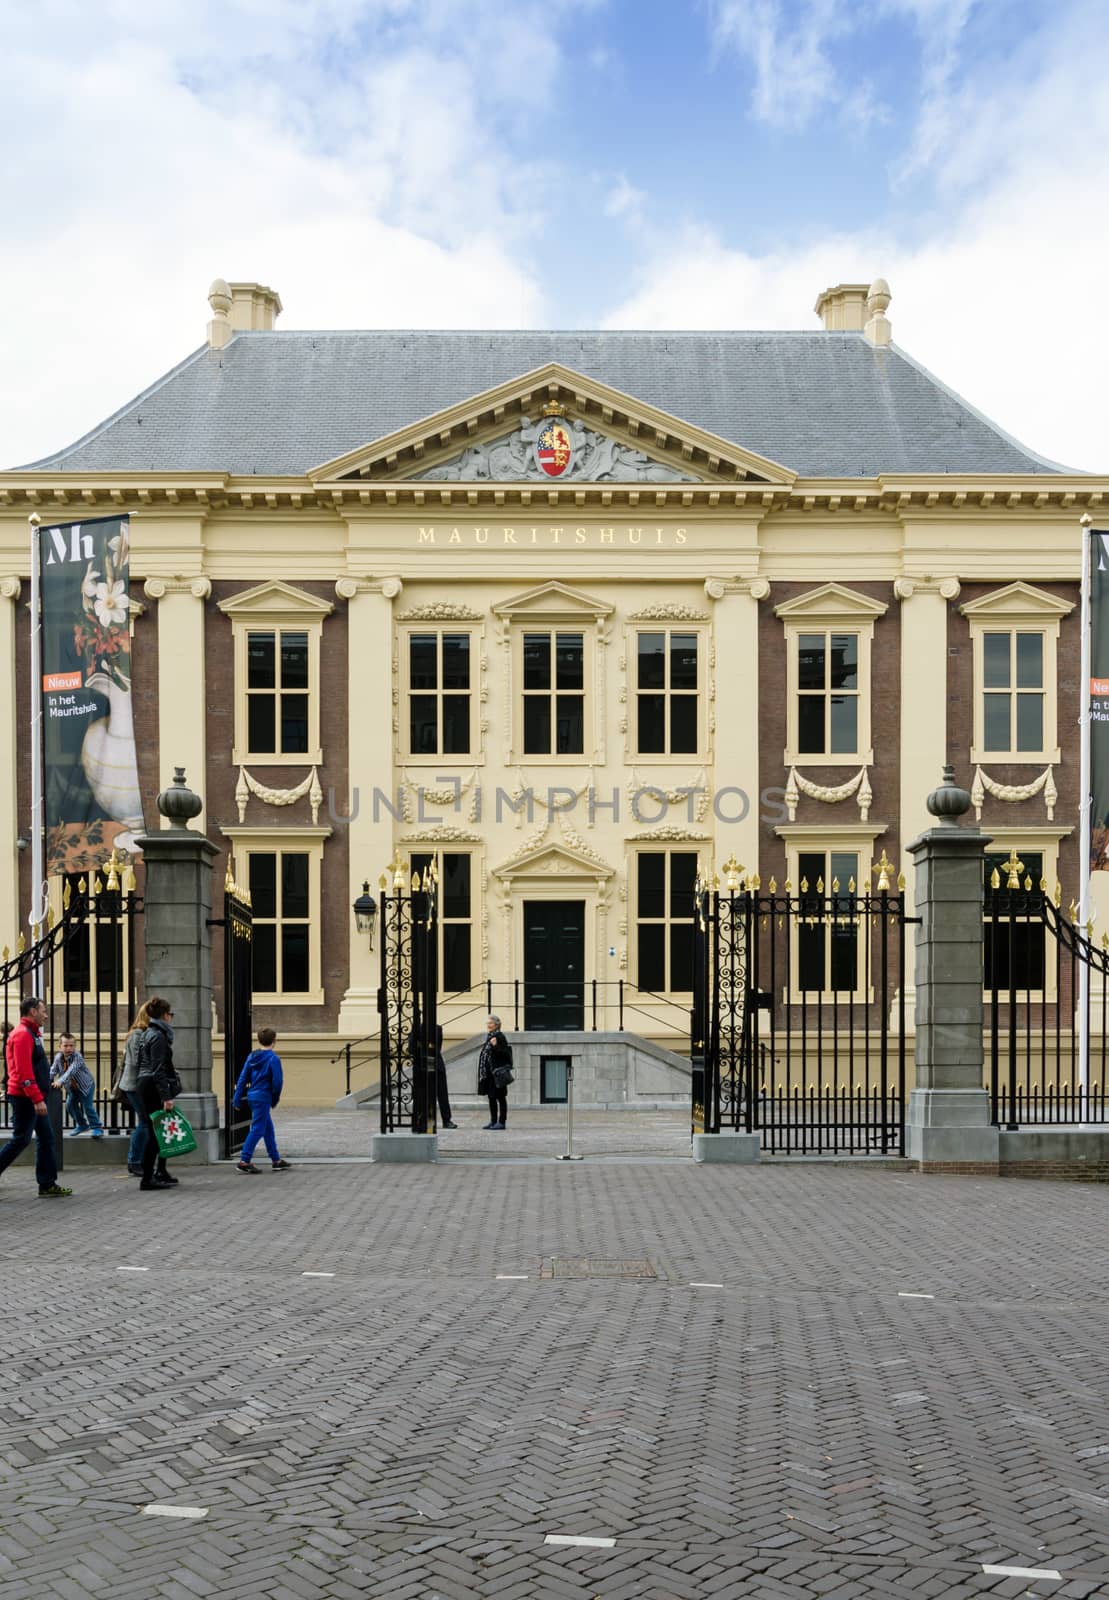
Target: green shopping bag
x,y
174,1135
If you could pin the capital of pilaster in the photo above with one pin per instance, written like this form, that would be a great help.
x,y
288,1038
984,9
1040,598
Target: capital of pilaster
x,y
158,588
347,587
946,588
10,587
717,588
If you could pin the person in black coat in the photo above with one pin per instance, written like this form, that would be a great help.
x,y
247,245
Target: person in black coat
x,y
494,1074
158,1084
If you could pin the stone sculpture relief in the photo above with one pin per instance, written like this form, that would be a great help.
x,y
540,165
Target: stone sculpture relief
x,y
595,459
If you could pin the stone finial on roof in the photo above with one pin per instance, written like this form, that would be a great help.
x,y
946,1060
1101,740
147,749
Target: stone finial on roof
x,y
877,328
219,329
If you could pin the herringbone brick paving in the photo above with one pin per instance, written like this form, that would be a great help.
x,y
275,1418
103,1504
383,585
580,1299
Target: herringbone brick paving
x,y
414,1427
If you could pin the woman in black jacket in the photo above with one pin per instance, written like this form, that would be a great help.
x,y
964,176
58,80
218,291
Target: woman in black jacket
x,y
158,1084
494,1074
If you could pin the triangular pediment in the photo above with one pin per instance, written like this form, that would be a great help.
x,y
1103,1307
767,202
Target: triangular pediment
x,y
495,437
554,602
555,862
275,601
829,604
1017,601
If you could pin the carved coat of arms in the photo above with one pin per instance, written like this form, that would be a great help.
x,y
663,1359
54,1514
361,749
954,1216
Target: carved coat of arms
x,y
554,450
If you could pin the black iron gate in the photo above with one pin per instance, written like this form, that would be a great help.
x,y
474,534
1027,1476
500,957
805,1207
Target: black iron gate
x,y
83,964
238,1024
407,1003
798,1018
1034,956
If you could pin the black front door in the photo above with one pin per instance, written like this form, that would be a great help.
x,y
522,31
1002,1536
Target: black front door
x,y
554,964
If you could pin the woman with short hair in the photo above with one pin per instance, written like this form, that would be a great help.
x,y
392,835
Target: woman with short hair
x,y
494,1074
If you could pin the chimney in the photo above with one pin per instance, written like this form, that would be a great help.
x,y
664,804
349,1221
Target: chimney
x,y
843,308
254,307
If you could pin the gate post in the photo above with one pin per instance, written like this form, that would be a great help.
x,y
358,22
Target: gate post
x,y
948,1126
177,901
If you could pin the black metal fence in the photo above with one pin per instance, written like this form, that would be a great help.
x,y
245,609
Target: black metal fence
x,y
238,1019
83,964
410,1039
798,1021
1034,956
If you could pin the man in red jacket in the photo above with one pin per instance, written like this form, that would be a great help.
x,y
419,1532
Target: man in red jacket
x,y
28,1086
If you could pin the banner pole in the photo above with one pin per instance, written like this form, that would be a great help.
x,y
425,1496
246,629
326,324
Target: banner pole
x,y
37,913
1084,821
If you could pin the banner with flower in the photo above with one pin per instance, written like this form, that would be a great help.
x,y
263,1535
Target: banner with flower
x,y
90,768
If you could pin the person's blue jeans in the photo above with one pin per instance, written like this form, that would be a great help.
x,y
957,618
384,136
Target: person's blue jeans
x,y
139,1133
261,1127
82,1109
26,1125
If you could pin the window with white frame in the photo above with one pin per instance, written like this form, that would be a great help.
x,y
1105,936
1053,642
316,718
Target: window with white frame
x,y
664,910
440,682
553,663
828,638
827,929
456,919
282,870
667,685
277,631
1014,636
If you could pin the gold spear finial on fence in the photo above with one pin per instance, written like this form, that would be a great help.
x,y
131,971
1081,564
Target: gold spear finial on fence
x,y
1058,893
995,879
21,943
883,868
129,879
1014,868
732,870
114,865
67,896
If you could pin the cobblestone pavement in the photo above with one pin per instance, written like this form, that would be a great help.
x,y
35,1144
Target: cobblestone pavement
x,y
779,1411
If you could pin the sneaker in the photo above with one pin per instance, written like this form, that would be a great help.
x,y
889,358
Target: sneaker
x,y
282,1166
246,1166
450,1124
54,1192
75,1133
155,1183
98,1133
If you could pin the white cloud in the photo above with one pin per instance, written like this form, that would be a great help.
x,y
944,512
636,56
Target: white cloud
x,y
344,153
625,201
1000,289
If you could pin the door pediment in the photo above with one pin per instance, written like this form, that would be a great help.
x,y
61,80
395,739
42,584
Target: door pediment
x,y
498,436
552,863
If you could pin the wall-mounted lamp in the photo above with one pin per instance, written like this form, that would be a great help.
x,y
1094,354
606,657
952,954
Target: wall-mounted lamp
x,y
365,913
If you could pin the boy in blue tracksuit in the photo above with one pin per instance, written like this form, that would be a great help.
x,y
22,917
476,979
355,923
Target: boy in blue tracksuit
x,y
259,1085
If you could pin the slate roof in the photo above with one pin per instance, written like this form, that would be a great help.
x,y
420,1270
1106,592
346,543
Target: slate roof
x,y
823,404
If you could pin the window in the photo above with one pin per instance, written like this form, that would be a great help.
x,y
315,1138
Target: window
x,y
439,693
281,868
554,693
277,632
827,931
828,638
277,702
666,688
94,958
1019,953
664,920
828,693
1014,636
456,916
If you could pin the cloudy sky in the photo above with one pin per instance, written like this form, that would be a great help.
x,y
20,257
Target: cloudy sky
x,y
597,163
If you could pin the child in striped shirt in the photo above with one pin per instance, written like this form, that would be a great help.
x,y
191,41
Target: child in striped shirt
x,y
70,1073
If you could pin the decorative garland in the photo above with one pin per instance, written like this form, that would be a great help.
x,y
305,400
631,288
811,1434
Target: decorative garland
x,y
1012,792
248,785
797,785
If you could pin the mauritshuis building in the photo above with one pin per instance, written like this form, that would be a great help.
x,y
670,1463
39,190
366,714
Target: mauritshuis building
x,y
568,612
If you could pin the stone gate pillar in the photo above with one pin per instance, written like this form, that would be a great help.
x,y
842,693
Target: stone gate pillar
x,y
948,1124
177,905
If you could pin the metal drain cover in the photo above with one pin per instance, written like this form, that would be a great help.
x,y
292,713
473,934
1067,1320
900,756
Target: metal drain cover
x,y
595,1267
